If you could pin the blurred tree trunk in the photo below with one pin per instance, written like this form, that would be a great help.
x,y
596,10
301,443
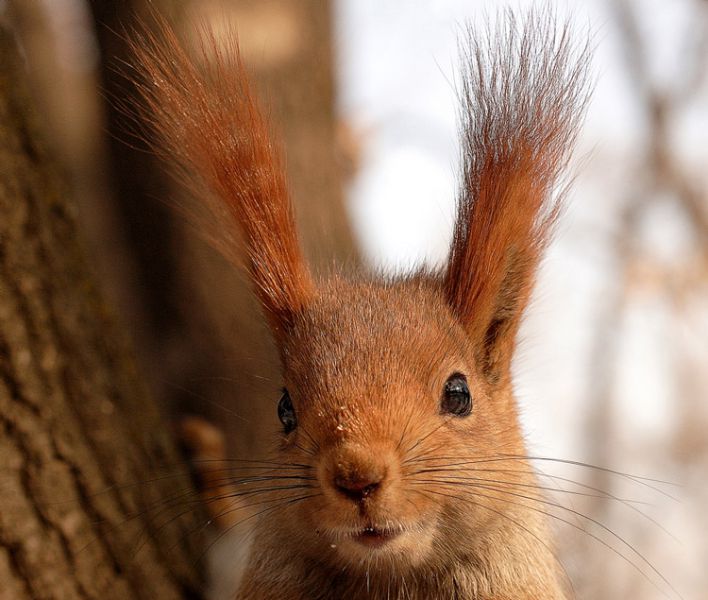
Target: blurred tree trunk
x,y
208,344
78,433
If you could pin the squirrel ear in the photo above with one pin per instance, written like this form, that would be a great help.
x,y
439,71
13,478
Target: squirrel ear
x,y
206,123
523,95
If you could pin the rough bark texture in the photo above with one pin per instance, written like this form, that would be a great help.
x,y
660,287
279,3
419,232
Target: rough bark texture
x,y
79,437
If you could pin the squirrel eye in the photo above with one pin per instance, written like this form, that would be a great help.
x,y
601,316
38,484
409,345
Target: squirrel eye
x,y
286,412
456,399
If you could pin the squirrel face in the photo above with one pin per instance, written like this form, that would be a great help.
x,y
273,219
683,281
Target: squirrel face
x,y
387,399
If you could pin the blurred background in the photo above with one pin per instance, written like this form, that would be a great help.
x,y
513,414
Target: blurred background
x,y
612,369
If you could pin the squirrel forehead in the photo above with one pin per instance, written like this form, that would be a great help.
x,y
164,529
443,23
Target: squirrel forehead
x,y
371,333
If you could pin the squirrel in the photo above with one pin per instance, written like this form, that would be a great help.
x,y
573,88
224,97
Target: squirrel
x,y
401,471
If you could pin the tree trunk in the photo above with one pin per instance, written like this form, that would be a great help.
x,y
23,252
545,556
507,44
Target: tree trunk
x,y
79,436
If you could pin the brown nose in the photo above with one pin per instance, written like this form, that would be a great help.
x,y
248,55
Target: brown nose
x,y
357,489
358,474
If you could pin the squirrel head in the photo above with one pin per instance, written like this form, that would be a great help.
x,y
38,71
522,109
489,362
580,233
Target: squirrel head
x,y
397,402
383,391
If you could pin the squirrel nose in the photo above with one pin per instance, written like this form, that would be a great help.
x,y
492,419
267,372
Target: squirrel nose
x,y
357,473
359,488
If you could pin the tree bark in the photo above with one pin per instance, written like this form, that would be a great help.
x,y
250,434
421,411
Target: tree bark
x,y
80,439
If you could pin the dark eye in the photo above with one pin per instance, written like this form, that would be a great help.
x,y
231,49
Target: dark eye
x,y
286,412
456,399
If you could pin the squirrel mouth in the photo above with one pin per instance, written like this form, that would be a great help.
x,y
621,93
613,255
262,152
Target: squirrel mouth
x,y
373,537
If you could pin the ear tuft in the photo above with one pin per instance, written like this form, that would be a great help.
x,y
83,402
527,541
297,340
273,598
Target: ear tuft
x,y
204,120
524,92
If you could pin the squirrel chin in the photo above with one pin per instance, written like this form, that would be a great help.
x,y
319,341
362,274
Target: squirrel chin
x,y
405,547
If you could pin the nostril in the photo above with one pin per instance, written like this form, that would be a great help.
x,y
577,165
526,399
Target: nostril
x,y
357,473
356,490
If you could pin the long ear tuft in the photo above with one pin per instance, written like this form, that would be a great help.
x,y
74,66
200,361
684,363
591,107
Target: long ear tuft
x,y
204,120
524,92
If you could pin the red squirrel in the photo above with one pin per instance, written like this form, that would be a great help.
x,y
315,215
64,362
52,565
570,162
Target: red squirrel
x,y
401,469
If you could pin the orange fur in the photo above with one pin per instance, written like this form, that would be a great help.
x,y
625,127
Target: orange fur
x,y
377,492
523,94
206,123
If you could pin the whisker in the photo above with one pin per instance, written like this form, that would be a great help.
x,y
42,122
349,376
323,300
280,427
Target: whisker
x,y
646,481
286,502
638,479
182,473
579,514
313,441
192,498
236,497
515,522
604,495
629,503
425,437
